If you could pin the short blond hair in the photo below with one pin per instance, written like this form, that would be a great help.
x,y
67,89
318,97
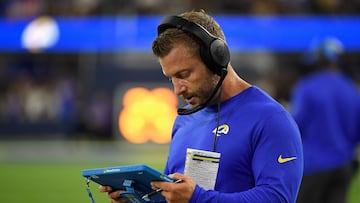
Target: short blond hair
x,y
166,40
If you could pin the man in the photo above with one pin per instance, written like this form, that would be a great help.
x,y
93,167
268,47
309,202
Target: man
x,y
326,106
258,142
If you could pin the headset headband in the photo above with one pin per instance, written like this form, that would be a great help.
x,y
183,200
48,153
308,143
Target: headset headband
x,y
213,50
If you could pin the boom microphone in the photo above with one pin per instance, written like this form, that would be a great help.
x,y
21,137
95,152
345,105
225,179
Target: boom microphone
x,y
184,111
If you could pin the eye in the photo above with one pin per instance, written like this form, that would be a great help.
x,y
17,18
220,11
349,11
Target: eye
x,y
183,74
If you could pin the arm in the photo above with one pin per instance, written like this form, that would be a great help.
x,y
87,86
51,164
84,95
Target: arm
x,y
274,181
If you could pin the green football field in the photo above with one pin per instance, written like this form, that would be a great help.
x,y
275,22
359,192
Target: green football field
x,y
39,172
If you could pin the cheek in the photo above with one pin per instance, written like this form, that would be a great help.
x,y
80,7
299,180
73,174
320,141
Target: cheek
x,y
211,81
205,86
203,82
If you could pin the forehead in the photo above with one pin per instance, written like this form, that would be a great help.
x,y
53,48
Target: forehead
x,y
179,58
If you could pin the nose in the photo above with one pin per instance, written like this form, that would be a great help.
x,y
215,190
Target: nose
x,y
179,87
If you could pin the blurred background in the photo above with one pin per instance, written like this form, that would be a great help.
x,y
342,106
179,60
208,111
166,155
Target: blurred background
x,y
80,88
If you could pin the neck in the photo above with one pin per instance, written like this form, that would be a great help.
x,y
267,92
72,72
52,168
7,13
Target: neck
x,y
232,85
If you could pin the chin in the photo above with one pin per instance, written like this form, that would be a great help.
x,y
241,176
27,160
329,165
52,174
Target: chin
x,y
192,106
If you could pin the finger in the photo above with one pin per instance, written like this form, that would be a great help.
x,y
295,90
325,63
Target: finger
x,y
157,185
115,195
105,188
163,185
177,176
116,198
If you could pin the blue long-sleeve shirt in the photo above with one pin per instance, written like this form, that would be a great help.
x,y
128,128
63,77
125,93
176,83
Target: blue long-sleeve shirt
x,y
253,166
326,106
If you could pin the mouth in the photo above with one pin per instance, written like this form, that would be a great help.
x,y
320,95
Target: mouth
x,y
190,100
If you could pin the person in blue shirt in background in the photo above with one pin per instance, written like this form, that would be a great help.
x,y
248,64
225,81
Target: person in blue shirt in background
x,y
258,140
326,105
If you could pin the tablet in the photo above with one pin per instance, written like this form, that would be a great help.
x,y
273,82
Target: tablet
x,y
134,179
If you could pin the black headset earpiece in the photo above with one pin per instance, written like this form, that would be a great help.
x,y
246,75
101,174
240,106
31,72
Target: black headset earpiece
x,y
213,51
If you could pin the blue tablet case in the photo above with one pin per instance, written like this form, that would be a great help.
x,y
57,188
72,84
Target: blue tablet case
x,y
133,179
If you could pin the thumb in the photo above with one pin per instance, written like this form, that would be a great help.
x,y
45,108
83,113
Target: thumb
x,y
178,176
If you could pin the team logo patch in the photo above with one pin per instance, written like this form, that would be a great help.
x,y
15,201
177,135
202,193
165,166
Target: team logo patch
x,y
221,130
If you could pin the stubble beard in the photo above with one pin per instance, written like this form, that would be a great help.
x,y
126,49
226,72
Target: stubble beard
x,y
206,89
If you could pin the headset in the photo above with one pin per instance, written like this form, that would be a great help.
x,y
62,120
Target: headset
x,y
214,52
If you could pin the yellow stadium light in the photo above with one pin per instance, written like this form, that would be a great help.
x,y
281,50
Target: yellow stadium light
x,y
147,115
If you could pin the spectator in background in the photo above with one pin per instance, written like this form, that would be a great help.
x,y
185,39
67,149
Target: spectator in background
x,y
326,106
